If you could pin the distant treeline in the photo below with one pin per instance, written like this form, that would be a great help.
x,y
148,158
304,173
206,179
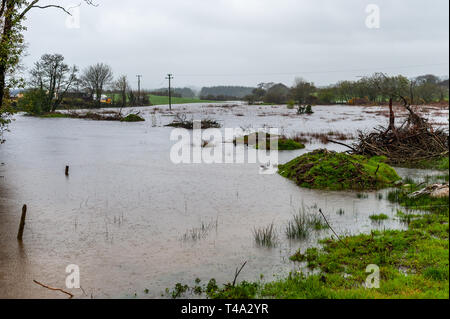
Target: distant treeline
x,y
215,93
374,89
176,92
223,93
52,84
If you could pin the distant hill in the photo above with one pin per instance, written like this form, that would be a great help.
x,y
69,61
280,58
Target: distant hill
x,y
225,92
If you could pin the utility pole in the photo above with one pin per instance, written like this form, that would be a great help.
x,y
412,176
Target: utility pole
x,y
170,77
139,88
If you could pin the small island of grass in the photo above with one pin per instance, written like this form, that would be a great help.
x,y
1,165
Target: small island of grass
x,y
282,144
132,118
323,169
379,217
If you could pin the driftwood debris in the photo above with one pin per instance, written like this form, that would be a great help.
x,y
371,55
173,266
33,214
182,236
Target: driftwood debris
x,y
415,140
54,289
181,121
435,190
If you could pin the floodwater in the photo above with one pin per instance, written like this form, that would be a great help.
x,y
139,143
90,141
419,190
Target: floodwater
x,y
122,213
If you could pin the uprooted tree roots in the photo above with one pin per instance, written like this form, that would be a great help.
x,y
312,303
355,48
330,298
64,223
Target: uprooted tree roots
x,y
414,141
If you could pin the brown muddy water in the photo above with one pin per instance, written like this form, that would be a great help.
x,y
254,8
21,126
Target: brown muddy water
x,y
122,213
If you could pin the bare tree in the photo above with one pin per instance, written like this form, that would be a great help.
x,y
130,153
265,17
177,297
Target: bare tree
x,y
95,78
53,76
122,85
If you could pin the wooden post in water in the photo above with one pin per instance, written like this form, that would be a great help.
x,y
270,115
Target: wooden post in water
x,y
67,170
22,222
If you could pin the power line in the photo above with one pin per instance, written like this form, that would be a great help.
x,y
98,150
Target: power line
x,y
139,87
170,77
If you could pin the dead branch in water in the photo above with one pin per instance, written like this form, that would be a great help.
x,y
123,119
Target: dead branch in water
x,y
343,144
323,215
54,289
237,272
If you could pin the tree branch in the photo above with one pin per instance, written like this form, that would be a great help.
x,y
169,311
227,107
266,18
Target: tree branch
x,y
33,4
52,6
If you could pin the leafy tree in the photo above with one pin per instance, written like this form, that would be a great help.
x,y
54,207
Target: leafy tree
x,y
226,91
427,88
34,102
326,95
277,94
302,91
50,74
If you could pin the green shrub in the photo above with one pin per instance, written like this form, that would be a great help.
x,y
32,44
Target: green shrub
x,y
290,105
33,102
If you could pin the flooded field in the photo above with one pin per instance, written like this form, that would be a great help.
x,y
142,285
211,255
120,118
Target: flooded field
x,y
126,212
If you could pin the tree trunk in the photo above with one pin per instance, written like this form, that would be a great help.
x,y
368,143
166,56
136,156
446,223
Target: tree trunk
x,y
391,116
7,28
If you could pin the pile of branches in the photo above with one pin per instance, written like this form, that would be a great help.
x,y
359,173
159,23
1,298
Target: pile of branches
x,y
415,140
181,121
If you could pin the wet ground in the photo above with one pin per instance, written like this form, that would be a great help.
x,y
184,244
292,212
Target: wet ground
x,y
122,213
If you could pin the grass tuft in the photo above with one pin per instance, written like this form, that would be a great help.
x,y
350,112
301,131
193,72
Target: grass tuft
x,y
266,236
379,217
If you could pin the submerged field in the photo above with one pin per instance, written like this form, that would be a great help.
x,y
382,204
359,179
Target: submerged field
x,y
136,223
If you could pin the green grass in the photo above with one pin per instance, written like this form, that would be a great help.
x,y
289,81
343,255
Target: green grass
x,y
299,227
284,143
413,263
379,217
164,100
53,115
265,236
132,118
201,232
324,169
441,163
301,224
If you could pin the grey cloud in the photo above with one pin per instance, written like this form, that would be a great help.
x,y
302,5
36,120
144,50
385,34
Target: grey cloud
x,y
247,41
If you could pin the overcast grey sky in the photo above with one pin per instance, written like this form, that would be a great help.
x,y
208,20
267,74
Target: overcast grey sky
x,y
244,42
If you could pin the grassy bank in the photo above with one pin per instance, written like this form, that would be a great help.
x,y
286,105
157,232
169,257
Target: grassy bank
x,y
324,169
413,263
